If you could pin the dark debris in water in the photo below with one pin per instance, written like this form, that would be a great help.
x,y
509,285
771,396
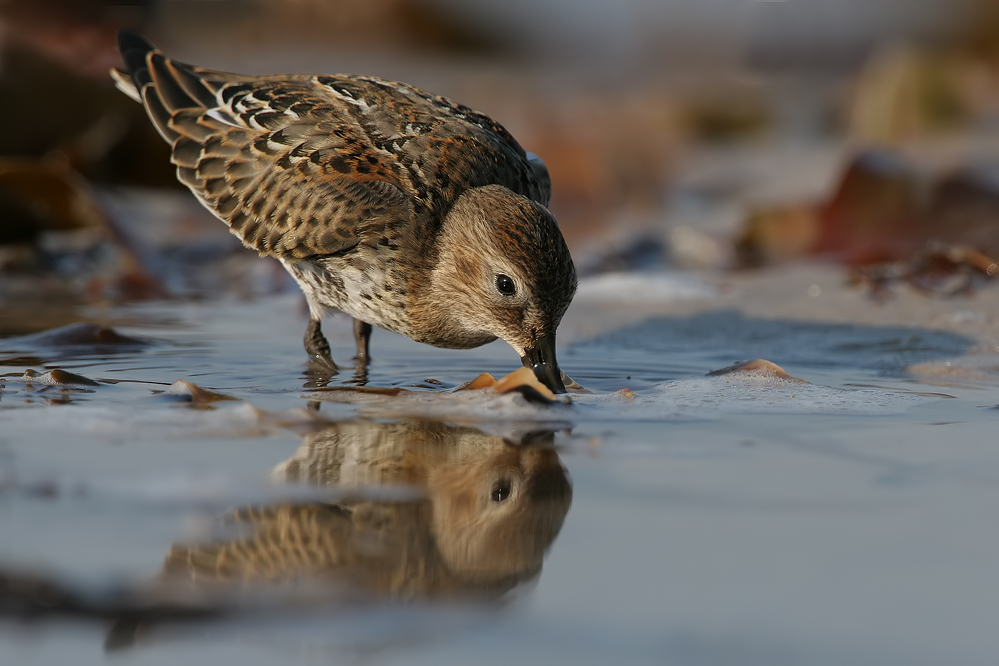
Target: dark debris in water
x,y
82,334
58,377
54,386
65,343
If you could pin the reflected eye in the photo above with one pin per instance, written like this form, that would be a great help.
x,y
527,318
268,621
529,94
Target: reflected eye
x,y
505,285
500,491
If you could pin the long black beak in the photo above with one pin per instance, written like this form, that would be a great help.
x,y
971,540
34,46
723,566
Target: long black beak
x,y
541,359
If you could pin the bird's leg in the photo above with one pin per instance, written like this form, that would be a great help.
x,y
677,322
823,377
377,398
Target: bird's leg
x,y
362,336
318,347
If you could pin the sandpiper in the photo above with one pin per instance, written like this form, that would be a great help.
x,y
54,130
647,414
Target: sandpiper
x,y
403,209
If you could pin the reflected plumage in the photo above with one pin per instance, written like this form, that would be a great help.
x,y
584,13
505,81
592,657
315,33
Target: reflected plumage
x,y
403,209
489,512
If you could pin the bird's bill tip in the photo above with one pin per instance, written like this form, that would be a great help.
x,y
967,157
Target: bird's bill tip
x,y
541,359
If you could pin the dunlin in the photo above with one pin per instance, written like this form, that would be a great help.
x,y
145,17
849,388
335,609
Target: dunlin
x,y
403,209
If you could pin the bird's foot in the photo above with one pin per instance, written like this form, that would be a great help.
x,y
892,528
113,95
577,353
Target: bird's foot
x,y
360,375
318,349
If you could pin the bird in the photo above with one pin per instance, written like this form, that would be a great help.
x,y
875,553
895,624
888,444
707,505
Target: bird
x,y
403,209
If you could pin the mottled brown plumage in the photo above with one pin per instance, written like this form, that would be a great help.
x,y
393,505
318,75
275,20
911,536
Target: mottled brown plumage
x,y
403,209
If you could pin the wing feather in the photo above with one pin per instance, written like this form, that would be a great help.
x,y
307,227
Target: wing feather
x,y
308,165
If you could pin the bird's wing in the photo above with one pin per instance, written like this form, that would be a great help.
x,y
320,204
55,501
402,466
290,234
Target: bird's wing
x,y
283,542
446,148
290,173
303,165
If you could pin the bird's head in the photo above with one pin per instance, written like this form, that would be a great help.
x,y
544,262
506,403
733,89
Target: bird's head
x,y
504,271
497,507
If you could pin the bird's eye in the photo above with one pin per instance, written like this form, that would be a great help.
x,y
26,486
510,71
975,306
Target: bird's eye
x,y
505,285
500,491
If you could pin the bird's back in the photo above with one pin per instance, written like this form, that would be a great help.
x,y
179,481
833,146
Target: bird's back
x,y
305,165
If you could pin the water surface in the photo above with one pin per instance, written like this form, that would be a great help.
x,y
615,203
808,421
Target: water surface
x,y
709,520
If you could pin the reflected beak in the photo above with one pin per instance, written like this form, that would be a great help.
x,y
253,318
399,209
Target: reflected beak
x,y
541,359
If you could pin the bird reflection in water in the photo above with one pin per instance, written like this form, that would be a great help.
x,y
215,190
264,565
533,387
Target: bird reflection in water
x,y
484,512
487,512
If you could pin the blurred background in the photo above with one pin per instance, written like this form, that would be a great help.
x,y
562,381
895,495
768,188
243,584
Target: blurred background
x,y
694,134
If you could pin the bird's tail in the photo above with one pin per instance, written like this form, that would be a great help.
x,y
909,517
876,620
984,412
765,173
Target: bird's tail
x,y
165,87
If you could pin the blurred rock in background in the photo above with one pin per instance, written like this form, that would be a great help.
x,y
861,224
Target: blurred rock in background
x,y
56,96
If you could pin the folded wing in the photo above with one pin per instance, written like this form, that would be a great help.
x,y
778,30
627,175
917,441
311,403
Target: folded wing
x,y
305,165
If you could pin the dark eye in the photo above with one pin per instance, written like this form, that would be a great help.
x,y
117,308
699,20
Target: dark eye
x,y
500,491
505,285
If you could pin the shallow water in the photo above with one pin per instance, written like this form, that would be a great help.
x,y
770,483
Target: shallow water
x,y
712,520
